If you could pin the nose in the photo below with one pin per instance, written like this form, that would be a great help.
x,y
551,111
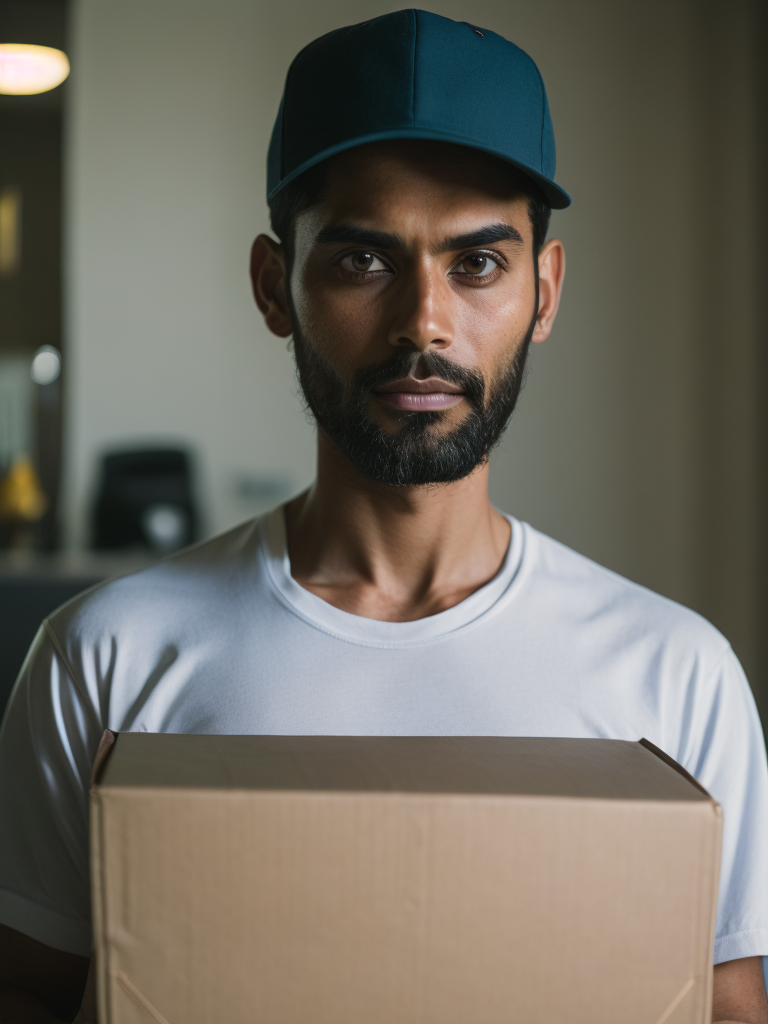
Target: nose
x,y
423,316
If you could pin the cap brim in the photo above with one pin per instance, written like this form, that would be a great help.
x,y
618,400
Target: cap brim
x,y
556,197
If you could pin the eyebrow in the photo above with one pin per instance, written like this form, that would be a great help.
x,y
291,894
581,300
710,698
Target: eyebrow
x,y
383,240
359,236
482,236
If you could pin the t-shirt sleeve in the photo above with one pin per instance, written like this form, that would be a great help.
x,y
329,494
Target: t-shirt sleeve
x,y
49,737
726,753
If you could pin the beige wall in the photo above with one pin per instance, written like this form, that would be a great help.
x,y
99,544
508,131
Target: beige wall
x,y
635,438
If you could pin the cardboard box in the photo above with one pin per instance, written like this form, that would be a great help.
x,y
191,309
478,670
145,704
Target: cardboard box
x,y
397,880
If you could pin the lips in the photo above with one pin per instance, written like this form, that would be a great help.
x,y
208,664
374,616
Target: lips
x,y
412,395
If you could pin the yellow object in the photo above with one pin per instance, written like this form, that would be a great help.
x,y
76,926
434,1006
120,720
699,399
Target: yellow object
x,y
27,69
10,230
21,496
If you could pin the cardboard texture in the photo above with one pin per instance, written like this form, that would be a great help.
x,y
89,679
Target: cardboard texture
x,y
401,880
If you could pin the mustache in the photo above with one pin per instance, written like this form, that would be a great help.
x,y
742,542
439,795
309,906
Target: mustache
x,y
403,363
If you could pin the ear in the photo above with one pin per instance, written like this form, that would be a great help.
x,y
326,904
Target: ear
x,y
551,274
268,283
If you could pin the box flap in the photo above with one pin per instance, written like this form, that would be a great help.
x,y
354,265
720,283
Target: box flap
x,y
564,767
673,764
106,744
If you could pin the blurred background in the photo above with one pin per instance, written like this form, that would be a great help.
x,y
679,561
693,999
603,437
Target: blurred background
x,y
143,404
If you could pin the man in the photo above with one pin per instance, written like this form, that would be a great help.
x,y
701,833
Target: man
x,y
410,181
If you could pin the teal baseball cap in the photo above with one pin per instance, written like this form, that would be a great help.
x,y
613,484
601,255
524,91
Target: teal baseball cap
x,y
414,75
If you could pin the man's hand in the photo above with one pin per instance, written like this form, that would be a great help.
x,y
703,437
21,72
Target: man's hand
x,y
38,984
739,992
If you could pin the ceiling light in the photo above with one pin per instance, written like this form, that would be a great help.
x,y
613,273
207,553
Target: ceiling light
x,y
27,69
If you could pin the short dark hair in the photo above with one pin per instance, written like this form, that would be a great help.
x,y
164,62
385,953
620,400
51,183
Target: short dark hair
x,y
307,190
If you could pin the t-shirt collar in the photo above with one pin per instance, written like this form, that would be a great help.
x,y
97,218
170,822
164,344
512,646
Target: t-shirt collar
x,y
373,632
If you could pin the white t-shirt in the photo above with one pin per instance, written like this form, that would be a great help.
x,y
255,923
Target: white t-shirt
x,y
221,639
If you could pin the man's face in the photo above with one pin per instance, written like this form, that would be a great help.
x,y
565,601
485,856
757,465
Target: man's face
x,y
413,298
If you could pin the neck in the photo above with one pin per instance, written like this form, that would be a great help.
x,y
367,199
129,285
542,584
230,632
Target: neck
x,y
393,553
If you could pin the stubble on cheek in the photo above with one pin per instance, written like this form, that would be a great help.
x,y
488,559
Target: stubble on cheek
x,y
346,331
348,327
337,373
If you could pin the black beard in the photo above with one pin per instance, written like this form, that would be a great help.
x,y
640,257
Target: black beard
x,y
414,455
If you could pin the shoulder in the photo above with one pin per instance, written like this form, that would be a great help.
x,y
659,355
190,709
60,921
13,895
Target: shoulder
x,y
582,590
180,587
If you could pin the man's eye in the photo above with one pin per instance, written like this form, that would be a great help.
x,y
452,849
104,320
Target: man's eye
x,y
362,263
477,265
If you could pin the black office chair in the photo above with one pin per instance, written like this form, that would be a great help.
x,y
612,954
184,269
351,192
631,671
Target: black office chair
x,y
145,499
